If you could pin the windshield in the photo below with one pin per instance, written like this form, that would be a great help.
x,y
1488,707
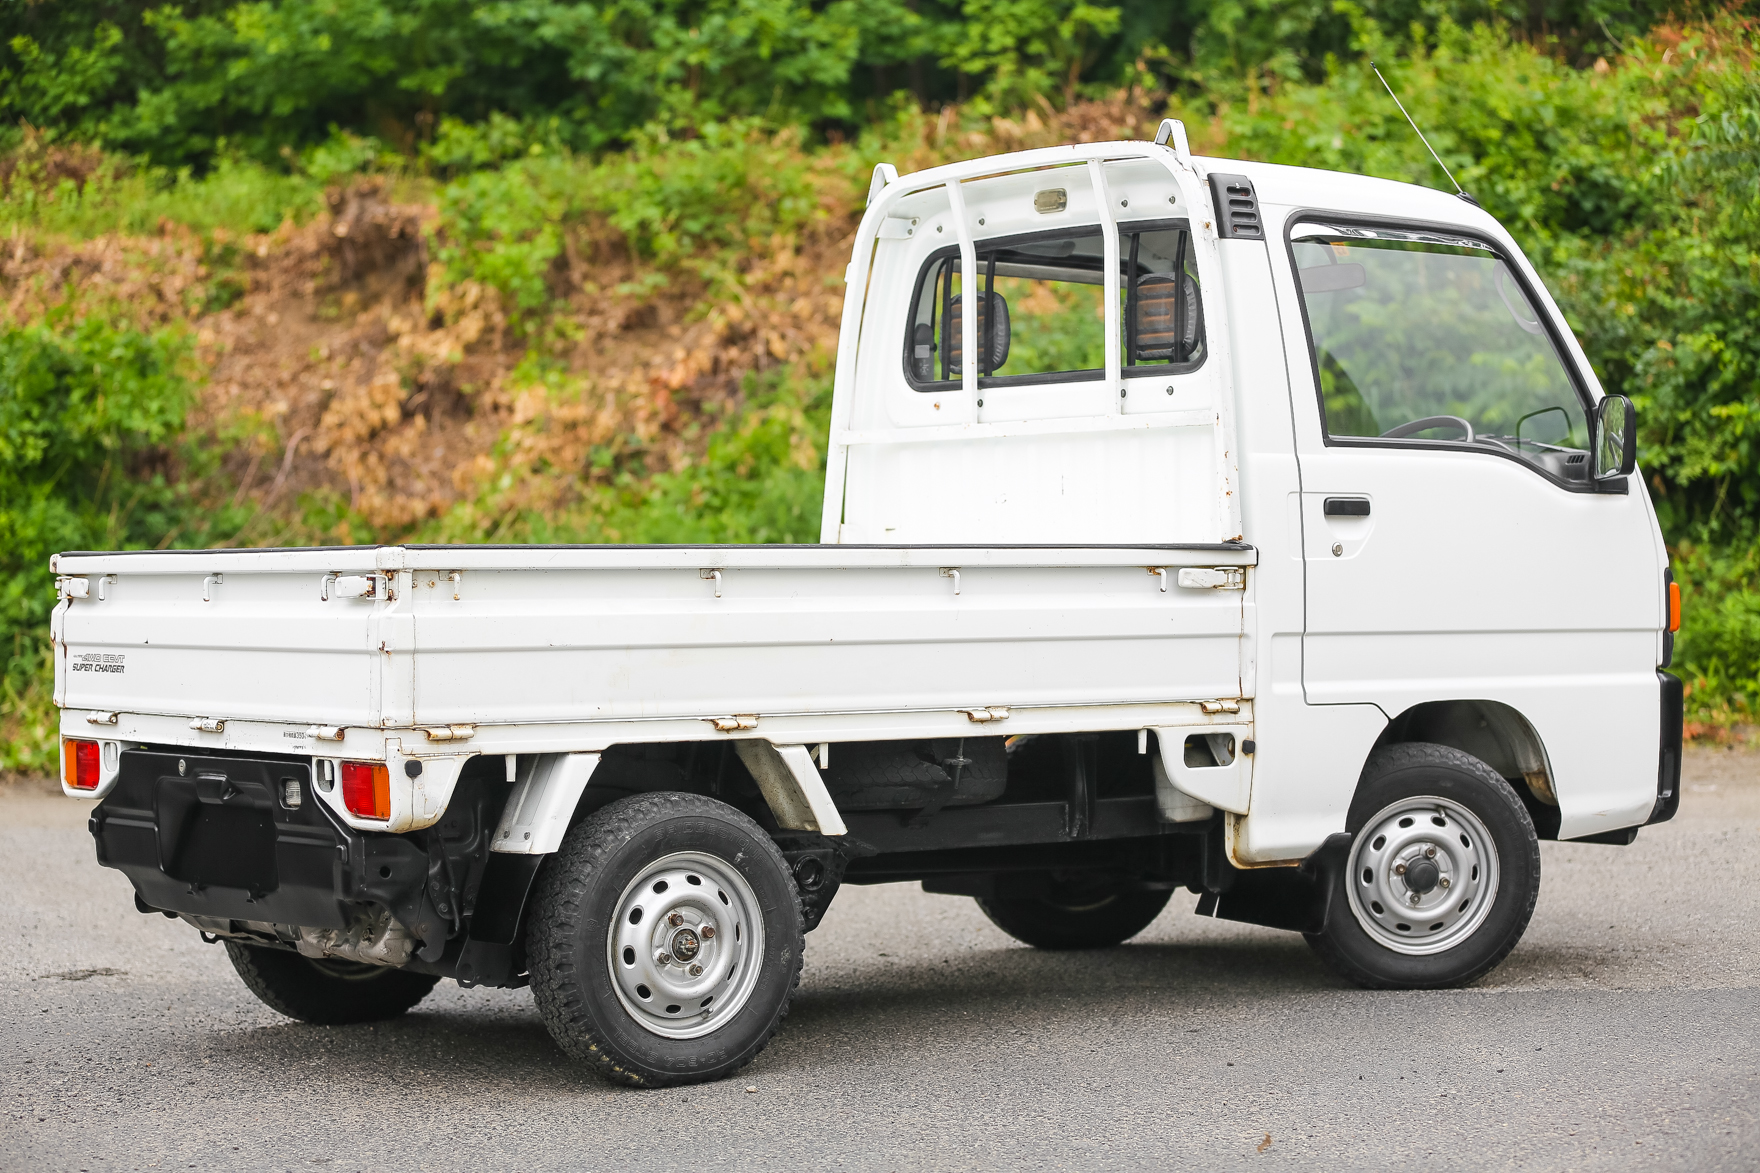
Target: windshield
x,y
1419,336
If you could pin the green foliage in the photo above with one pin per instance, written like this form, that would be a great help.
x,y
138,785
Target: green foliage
x,y
174,81
668,202
761,479
1053,326
1718,649
1548,149
108,194
1673,313
93,455
1028,48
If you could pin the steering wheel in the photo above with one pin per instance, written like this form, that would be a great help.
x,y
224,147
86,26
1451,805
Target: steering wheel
x,y
1428,422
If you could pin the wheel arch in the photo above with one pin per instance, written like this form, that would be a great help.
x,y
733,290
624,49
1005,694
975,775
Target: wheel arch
x,y
776,784
1496,734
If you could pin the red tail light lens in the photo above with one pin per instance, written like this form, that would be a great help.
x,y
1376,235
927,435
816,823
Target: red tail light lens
x,y
366,790
80,764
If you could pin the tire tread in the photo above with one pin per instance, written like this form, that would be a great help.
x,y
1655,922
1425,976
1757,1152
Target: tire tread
x,y
1046,926
560,904
1395,759
288,983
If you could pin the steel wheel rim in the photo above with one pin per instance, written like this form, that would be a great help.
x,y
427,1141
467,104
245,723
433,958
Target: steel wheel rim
x,y
1423,876
658,937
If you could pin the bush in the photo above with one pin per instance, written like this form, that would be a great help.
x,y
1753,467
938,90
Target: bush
x,y
761,478
56,191
668,203
93,455
1717,652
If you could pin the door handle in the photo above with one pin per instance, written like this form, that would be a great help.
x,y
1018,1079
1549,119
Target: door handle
x,y
1346,507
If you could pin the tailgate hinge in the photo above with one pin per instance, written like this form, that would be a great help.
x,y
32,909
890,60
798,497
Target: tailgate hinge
x,y
449,732
734,723
1220,706
1221,578
986,715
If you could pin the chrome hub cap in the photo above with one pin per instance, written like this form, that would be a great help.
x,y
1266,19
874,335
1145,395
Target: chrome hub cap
x,y
684,948
1423,875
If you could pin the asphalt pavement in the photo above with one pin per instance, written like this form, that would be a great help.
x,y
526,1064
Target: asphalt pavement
x,y
1624,1032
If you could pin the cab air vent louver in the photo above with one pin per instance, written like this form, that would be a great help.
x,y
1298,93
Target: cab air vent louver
x,y
1237,208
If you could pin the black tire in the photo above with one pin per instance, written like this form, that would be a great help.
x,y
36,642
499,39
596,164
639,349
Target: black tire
x,y
328,992
570,928
1078,912
1418,770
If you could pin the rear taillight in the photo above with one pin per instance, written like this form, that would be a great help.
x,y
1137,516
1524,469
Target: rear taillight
x,y
79,764
366,790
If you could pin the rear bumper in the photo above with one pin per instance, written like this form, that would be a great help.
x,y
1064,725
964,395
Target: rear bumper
x,y
226,837
1668,761
238,845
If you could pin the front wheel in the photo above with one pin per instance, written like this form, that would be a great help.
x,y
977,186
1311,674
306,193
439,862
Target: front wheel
x,y
665,940
1075,912
1441,876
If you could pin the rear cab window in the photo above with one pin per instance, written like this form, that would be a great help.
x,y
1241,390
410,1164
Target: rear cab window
x,y
1041,310
1430,339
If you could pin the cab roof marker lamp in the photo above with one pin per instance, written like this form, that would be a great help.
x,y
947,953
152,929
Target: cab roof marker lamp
x,y
366,790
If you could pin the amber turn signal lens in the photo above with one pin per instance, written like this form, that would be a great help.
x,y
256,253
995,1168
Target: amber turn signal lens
x,y
80,764
366,789
1674,606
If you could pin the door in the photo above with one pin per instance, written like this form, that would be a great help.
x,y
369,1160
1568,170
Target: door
x,y
1454,544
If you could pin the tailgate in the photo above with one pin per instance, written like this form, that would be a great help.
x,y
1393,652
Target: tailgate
x,y
232,635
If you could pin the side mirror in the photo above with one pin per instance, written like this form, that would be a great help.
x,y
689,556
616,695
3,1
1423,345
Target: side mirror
x,y
1616,438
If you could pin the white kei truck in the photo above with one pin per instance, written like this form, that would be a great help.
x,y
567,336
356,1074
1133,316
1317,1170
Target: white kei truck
x,y
1273,539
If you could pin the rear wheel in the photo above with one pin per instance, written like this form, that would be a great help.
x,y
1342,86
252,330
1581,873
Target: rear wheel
x,y
328,991
1075,912
1441,877
665,940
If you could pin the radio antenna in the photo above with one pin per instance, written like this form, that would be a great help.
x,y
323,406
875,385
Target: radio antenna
x,y
1458,189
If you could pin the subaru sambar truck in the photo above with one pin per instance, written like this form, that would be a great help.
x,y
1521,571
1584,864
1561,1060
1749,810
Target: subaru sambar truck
x,y
1193,524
